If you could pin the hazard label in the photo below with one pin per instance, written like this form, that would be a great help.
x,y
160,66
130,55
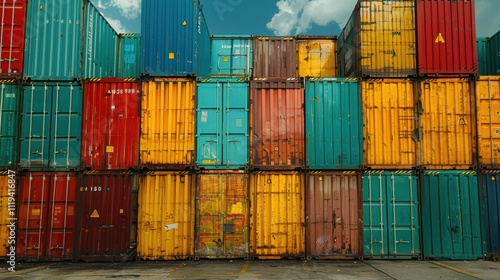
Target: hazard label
x,y
225,59
439,38
110,149
171,55
94,214
184,23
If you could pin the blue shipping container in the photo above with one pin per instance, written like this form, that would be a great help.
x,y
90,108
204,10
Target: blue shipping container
x,y
491,197
232,56
129,55
174,39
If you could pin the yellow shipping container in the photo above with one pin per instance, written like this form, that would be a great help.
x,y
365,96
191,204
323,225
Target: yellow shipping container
x,y
277,215
488,117
4,214
166,216
317,56
447,124
167,123
389,120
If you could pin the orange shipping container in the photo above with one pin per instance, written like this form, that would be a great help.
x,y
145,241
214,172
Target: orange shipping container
x,y
488,121
317,56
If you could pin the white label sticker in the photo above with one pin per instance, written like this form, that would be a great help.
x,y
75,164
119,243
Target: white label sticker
x,y
171,226
204,116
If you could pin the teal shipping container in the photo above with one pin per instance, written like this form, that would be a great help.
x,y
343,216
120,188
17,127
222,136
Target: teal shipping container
x,y
391,214
451,215
490,187
175,40
9,113
101,45
51,126
222,111
482,56
231,56
334,128
129,55
53,43
493,50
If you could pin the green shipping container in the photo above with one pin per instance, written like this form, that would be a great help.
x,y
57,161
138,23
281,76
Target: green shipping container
x,y
391,227
129,55
482,56
493,53
51,126
9,111
451,215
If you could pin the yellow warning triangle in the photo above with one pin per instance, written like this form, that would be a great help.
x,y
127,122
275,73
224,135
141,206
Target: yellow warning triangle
x,y
184,23
94,214
439,38
109,91
225,59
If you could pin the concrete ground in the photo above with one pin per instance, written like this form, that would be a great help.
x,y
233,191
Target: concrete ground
x,y
240,269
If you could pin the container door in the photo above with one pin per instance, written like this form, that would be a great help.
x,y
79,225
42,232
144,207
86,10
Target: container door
x,y
209,128
231,56
9,96
374,216
235,124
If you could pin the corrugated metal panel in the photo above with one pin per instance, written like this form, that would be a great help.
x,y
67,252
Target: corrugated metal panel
x,y
12,29
163,54
166,216
447,124
51,126
391,214
222,124
346,44
451,215
482,56
317,56
232,56
9,114
389,121
274,57
101,45
106,220
277,215
334,131
167,123
277,124
442,27
46,216
493,50
110,137
54,31
129,55
8,191
334,215
488,124
491,208
222,215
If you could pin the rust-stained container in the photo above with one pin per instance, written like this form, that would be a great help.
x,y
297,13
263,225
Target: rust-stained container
x,y
222,214
389,121
46,216
110,136
106,223
274,57
334,215
488,122
447,124
317,56
13,26
277,124
166,216
277,224
8,197
167,123
446,37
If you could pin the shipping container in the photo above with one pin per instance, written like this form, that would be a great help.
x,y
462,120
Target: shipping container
x,y
490,192
54,39
277,215
379,40
8,198
166,217
167,123
51,126
106,217
222,214
493,52
277,125
231,56
129,55
101,45
317,56
163,22
334,131
483,60
12,29
446,36
9,115
334,228
391,225
389,124
447,124
110,136
451,215
274,57
222,123
46,216
488,124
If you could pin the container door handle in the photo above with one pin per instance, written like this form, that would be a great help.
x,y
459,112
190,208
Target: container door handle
x,y
234,141
60,152
403,242
107,226
37,153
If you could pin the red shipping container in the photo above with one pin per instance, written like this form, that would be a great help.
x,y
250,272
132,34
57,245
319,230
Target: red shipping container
x,y
277,125
106,217
110,136
274,57
46,216
12,31
446,38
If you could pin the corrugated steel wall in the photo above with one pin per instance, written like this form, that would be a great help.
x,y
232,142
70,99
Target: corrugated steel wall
x,y
232,56
317,56
129,55
493,50
10,96
488,123
12,29
491,210
274,57
482,56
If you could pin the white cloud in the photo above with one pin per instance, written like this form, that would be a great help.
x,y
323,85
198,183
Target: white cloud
x,y
487,17
130,9
117,25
